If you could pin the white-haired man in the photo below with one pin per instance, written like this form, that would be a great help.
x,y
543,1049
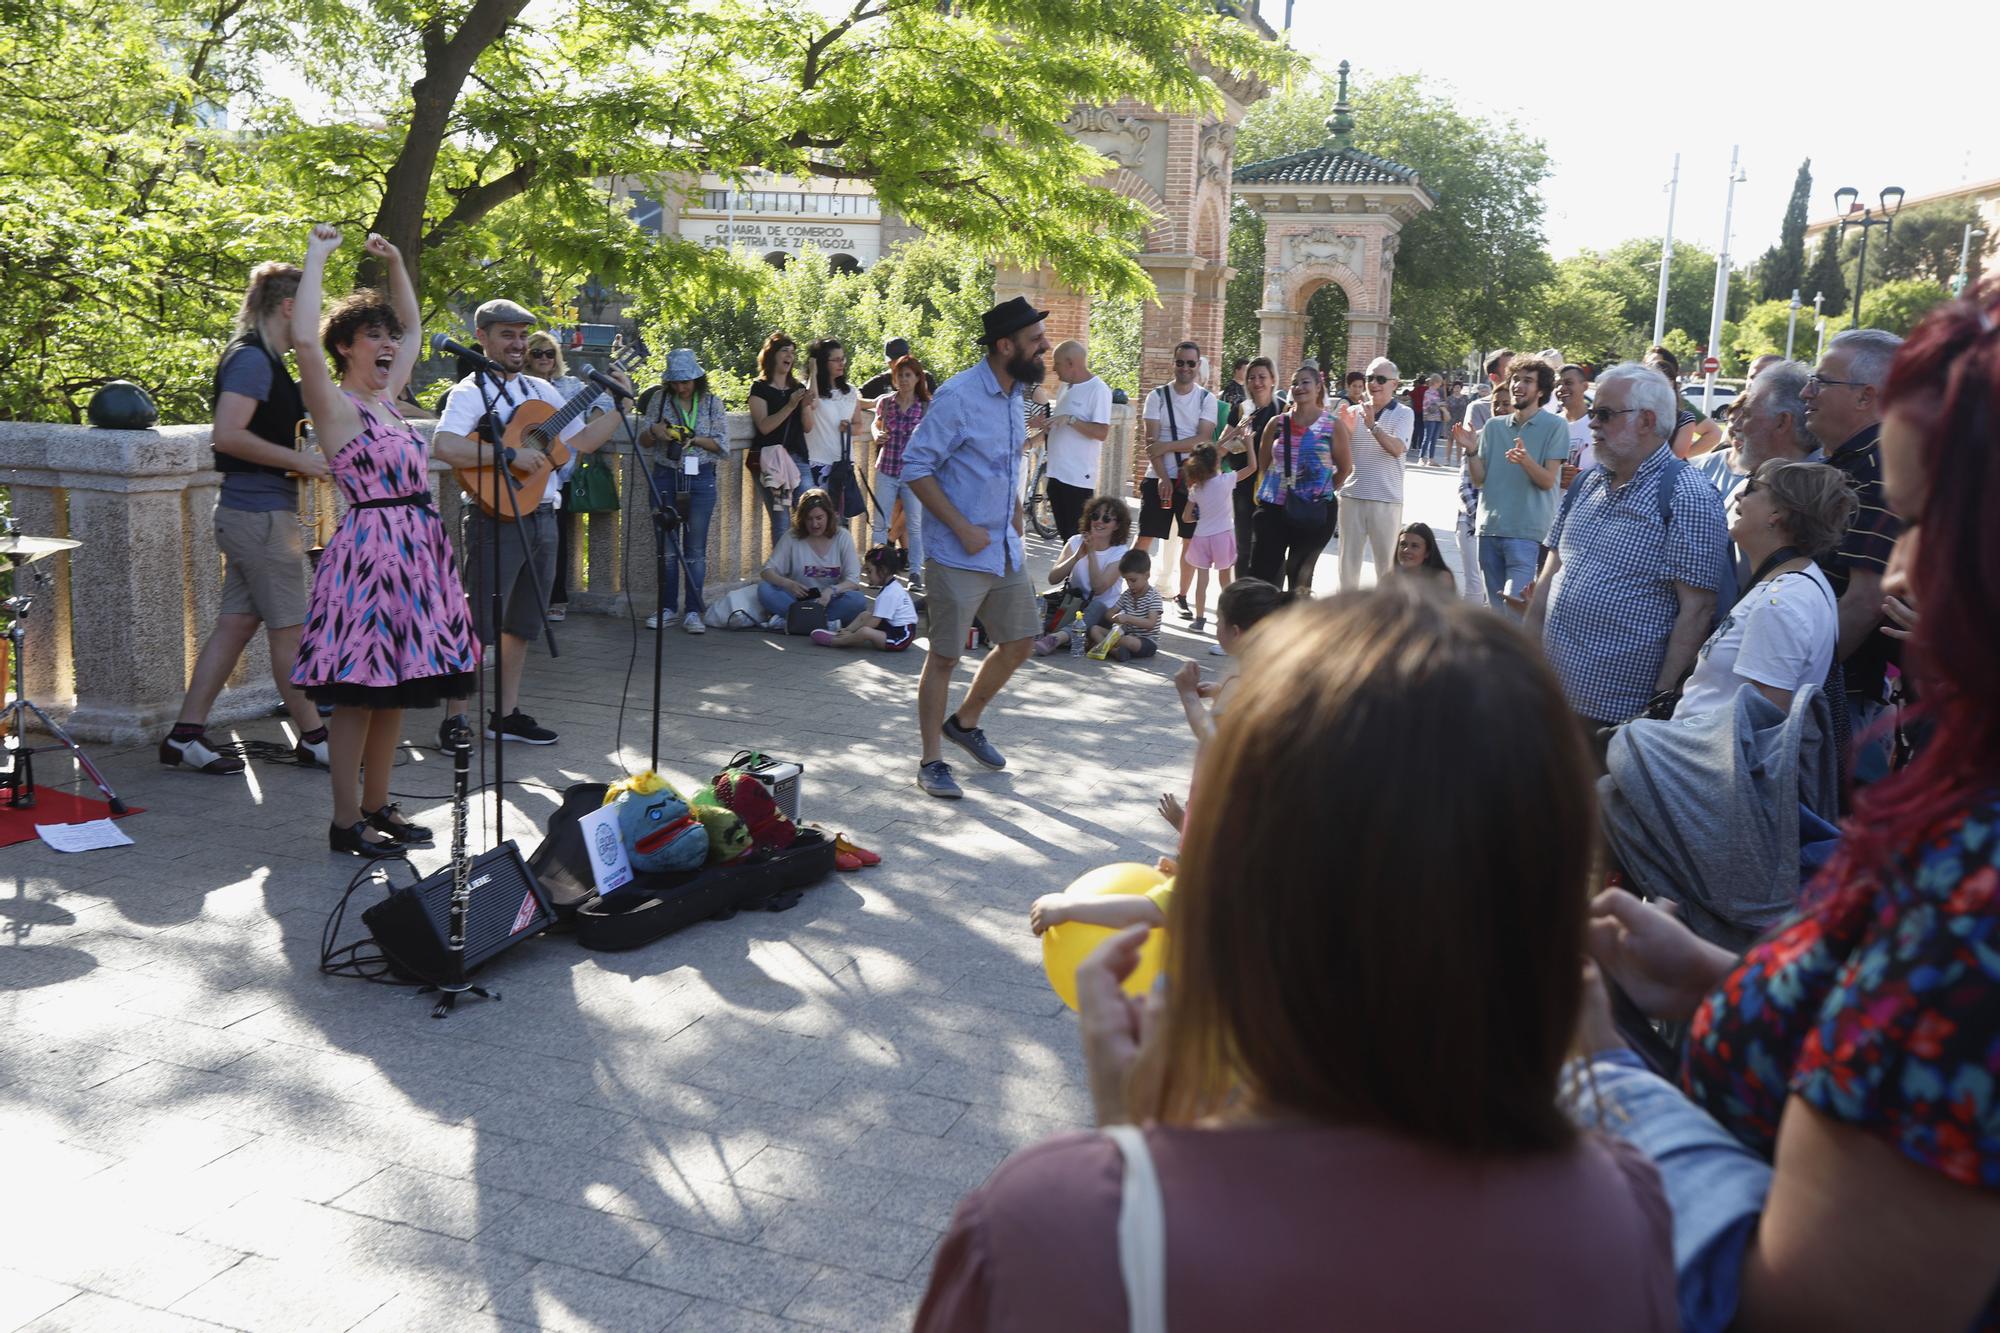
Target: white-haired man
x,y
1371,501
1639,546
1843,402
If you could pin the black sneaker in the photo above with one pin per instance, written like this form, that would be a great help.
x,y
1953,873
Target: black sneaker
x,y
1185,609
973,741
445,727
518,726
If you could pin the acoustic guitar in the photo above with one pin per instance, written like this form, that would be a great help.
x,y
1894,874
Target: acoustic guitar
x,y
536,425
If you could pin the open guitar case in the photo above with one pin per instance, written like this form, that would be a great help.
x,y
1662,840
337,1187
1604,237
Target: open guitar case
x,y
656,905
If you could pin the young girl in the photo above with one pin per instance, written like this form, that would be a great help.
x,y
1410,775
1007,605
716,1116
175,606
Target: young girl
x,y
891,624
1213,546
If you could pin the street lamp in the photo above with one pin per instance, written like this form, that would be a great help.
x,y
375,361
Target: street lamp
x,y
1960,278
1847,202
1792,324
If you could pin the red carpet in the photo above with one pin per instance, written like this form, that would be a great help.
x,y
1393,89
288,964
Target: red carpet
x,y
52,806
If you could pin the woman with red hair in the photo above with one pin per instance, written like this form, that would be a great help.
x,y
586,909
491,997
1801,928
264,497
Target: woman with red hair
x,y
1857,1047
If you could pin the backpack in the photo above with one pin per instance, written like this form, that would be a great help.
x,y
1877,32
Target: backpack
x,y
1727,589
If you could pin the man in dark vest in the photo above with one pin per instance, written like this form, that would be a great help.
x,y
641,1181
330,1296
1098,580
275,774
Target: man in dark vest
x,y
264,579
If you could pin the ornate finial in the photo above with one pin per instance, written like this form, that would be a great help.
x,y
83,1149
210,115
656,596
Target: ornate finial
x,y
1340,125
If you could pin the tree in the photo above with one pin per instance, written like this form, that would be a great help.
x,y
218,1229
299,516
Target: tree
x,y
1465,270
1784,264
1922,246
1581,315
1825,278
1895,306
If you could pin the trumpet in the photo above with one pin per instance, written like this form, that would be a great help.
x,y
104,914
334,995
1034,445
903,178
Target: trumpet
x,y
317,511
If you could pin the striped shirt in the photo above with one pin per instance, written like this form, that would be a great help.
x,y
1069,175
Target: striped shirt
x,y
1146,606
1866,546
1378,474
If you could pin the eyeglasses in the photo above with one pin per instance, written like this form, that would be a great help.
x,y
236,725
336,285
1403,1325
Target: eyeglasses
x,y
1195,364
1378,379
1603,415
542,355
1749,488
1820,382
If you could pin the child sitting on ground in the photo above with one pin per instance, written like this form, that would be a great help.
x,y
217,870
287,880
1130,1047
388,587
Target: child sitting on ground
x,y
1213,545
1132,629
891,624
1113,910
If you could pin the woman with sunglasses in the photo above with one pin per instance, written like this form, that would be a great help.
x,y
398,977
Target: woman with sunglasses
x,y
1088,567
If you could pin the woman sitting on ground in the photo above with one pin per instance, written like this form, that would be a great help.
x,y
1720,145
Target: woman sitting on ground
x,y
1087,569
1417,553
1783,632
814,562
1839,1136
1354,1121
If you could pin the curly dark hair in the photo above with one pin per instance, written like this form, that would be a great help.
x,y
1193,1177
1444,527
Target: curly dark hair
x,y
1121,517
349,316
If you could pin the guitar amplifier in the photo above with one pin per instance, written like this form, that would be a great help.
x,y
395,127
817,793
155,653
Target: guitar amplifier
x,y
506,905
783,780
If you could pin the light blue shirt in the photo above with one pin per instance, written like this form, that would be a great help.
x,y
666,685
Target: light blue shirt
x,y
971,440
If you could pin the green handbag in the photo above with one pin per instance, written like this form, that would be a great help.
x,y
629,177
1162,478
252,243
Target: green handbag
x,y
591,489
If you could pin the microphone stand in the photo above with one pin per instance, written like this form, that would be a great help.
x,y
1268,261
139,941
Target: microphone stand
x,y
666,524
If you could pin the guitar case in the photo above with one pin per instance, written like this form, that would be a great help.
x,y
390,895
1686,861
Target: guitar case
x,y
657,905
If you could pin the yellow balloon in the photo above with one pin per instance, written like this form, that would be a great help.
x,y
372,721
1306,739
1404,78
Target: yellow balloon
x,y
1065,946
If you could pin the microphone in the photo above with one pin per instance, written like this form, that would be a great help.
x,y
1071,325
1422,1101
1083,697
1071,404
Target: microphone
x,y
605,382
444,345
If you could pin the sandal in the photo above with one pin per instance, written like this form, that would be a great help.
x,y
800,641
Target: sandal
x,y
862,856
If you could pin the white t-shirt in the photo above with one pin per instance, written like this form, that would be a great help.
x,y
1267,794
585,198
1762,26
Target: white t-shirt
x,y
1582,452
1217,506
1378,474
1079,574
893,605
1193,414
463,407
1781,634
823,440
1072,454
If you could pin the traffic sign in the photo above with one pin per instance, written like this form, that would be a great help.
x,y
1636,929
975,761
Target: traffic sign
x,y
1709,365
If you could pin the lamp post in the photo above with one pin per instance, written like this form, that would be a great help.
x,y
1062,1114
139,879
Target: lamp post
x,y
1847,202
1960,278
1721,285
1792,324
1666,255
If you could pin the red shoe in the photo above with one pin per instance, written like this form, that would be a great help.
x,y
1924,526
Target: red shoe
x,y
845,860
843,845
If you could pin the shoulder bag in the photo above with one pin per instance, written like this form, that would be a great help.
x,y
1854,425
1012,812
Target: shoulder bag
x,y
1302,514
591,488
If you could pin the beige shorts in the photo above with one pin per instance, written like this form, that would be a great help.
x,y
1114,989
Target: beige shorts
x,y
1003,603
263,565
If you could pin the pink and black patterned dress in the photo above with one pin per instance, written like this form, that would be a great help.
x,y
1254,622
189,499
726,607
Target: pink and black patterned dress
x,y
387,627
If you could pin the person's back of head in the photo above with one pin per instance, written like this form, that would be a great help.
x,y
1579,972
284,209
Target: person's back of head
x,y
1248,601
1421,977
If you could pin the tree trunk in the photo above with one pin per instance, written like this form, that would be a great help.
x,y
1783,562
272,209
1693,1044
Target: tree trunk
x,y
447,63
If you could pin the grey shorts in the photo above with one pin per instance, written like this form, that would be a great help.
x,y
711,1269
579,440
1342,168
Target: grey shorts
x,y
527,564
1004,603
263,565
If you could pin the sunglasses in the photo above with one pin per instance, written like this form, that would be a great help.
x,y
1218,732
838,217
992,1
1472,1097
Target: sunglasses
x,y
1103,518
1749,488
542,356
1179,362
1603,415
1378,379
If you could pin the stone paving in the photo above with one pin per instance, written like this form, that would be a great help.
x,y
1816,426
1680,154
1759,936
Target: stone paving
x,y
759,1123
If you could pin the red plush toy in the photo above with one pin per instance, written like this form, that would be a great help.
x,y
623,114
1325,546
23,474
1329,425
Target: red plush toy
x,y
769,829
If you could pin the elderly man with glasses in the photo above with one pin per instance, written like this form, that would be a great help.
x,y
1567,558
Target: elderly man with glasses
x,y
1843,406
1639,546
1371,500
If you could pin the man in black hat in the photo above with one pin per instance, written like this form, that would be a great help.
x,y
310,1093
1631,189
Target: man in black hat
x,y
963,464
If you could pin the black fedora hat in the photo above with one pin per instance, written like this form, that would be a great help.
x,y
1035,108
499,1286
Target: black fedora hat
x,y
1009,316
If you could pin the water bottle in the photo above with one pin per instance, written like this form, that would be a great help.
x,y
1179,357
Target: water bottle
x,y
1077,636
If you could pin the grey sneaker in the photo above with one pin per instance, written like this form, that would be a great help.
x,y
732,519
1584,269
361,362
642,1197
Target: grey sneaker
x,y
935,778
973,741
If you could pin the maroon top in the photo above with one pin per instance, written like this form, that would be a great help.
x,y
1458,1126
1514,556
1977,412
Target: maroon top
x,y
1274,1227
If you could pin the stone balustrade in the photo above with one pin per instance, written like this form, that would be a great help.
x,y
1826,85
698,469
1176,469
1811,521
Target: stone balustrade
x,y
117,622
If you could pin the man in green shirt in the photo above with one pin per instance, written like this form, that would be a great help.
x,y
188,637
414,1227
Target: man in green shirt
x,y
1517,467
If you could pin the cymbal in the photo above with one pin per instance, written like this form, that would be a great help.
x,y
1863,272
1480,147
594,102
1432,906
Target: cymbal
x,y
28,549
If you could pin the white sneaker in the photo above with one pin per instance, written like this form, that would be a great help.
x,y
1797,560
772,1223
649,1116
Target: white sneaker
x,y
692,624
1217,650
776,624
653,621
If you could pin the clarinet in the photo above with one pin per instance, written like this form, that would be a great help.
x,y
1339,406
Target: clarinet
x,y
461,864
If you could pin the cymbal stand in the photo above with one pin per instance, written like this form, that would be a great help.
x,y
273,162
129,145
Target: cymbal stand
x,y
19,779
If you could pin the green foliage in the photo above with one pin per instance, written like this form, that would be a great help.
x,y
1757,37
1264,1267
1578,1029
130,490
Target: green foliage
x,y
1895,306
1784,264
1827,278
1923,245
1117,341
1579,314
1761,332
1466,269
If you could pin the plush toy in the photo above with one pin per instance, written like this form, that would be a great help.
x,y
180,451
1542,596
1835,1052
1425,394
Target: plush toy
x,y
728,836
769,829
659,831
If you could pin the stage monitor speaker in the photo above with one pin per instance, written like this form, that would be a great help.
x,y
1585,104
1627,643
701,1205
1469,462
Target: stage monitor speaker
x,y
507,905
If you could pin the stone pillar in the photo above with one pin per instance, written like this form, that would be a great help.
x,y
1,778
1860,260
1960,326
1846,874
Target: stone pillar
x,y
1282,337
1367,338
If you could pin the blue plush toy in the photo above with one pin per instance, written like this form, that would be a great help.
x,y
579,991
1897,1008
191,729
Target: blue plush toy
x,y
660,832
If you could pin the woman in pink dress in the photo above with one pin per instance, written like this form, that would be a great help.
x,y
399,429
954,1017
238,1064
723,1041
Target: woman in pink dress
x,y
387,628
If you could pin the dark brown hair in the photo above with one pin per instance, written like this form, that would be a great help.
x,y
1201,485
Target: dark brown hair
x,y
1426,980
808,501
767,355
1121,517
1544,373
1247,601
349,316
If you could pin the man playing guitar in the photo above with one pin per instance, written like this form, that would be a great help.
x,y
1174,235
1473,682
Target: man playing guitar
x,y
527,560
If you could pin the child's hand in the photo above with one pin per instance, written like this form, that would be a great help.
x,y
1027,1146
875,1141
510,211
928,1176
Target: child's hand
x,y
1188,679
1051,909
1208,689
1170,810
1167,866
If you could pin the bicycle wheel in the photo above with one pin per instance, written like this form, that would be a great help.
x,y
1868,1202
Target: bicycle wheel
x,y
1041,517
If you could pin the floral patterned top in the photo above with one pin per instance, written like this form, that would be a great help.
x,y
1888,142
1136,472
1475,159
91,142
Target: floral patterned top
x,y
1878,1010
